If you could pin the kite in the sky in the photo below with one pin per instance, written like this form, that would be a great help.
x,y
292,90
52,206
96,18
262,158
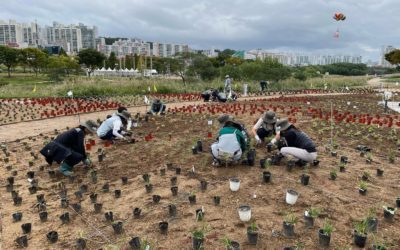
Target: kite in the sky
x,y
339,16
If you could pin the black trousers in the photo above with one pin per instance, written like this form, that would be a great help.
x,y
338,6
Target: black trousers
x,y
263,133
74,158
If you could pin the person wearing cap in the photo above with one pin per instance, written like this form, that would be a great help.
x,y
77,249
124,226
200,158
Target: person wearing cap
x,y
129,123
299,145
222,119
228,85
265,126
111,128
68,148
230,143
157,107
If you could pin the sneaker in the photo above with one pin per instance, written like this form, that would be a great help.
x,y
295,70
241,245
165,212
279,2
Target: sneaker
x,y
67,173
65,169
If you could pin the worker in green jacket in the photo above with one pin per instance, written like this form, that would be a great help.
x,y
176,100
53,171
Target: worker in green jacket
x,y
230,144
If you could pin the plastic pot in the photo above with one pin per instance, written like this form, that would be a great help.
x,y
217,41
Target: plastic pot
x,y
124,180
217,200
136,212
398,202
135,243
109,216
173,180
43,216
17,200
388,214
324,239
178,171
83,188
80,244
199,146
17,216
149,188
106,188
22,241
52,236
203,185
305,179
192,199
379,172
64,203
251,157
65,218
234,184
30,174
156,198
93,197
372,225
26,228
97,207
360,240
163,226
309,221
198,244
117,226
172,210
234,246
291,197
199,214
244,213
266,176
362,191
117,193
194,150
162,172
174,191
290,165
252,236
77,207
288,230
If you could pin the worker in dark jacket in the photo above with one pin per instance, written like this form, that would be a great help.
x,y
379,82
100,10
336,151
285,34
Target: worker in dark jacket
x,y
69,147
299,145
157,107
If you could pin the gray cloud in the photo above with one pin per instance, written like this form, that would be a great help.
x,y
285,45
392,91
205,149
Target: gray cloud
x,y
297,26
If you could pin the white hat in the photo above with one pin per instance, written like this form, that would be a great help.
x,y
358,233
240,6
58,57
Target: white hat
x,y
227,76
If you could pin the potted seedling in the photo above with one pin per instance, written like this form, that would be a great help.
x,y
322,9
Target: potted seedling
x,y
93,197
136,212
305,178
192,198
81,241
64,218
203,185
363,186
163,226
365,176
342,167
288,225
109,216
398,201
97,207
333,174
310,215
325,234
388,213
17,216
106,188
26,228
217,200
369,158
291,196
379,172
93,176
22,241
149,187
199,214
135,243
372,221
52,236
156,199
117,226
174,190
252,233
378,245
198,238
230,244
43,216
360,233
173,180
117,193
234,184
244,213
124,180
172,210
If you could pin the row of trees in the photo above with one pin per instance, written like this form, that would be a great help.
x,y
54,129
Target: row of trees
x,y
38,61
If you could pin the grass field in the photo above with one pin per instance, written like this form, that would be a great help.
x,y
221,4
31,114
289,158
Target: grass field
x,y
23,85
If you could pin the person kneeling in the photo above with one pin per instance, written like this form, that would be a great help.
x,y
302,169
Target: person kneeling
x,y
157,107
68,148
112,128
230,145
299,145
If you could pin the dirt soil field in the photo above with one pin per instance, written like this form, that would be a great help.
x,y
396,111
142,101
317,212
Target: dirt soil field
x,y
172,139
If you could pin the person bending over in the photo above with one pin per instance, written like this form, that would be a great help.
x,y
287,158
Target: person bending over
x,y
68,149
112,128
157,107
299,145
265,127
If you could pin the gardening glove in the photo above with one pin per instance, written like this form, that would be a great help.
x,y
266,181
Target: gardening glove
x,y
87,162
258,140
273,141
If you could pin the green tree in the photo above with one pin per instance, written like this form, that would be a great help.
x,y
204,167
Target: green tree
x,y
224,55
8,57
34,58
91,58
62,52
202,67
111,60
233,71
300,75
393,57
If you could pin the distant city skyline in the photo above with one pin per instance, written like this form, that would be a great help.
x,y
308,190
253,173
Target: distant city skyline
x,y
284,25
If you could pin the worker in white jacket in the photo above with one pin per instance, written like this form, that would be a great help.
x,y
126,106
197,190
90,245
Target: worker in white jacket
x,y
112,127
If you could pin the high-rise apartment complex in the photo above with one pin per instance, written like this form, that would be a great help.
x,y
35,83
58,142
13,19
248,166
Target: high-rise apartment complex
x,y
19,35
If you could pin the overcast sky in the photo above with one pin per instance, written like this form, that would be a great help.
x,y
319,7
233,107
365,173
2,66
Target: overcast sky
x,y
279,25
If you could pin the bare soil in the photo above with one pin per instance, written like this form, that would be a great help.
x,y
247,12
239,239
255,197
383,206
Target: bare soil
x,y
174,135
